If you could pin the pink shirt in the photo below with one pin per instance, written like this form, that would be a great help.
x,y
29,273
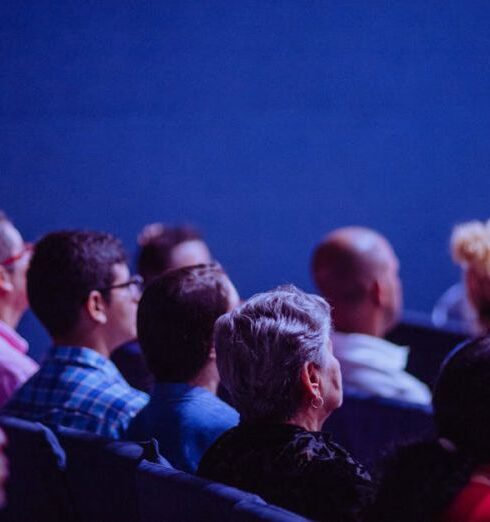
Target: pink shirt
x,y
15,366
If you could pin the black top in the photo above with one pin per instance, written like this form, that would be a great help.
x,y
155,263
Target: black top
x,y
293,468
131,362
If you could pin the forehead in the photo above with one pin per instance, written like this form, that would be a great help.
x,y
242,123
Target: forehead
x,y
10,238
189,253
120,272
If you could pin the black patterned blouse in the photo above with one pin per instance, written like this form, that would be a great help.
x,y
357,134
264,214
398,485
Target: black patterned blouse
x,y
293,468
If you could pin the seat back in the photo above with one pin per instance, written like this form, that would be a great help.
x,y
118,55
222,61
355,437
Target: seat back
x,y
428,344
246,511
169,495
101,475
36,489
368,426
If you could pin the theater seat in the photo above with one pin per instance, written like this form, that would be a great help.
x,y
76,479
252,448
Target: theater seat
x,y
101,475
36,489
368,426
428,344
175,496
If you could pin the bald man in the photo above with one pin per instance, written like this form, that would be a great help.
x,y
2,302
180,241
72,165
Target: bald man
x,y
356,270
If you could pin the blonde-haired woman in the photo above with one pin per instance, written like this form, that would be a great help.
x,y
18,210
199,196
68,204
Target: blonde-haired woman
x,y
470,246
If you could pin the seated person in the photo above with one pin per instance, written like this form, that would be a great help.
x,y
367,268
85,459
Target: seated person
x,y
275,359
175,327
79,287
356,270
15,365
161,248
446,479
470,245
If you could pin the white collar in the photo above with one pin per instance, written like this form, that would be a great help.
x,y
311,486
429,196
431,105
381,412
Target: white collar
x,y
357,347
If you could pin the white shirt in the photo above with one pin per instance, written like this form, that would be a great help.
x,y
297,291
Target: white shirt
x,y
374,365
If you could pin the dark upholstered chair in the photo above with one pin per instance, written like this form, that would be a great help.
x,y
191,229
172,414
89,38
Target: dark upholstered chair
x,y
428,344
168,495
368,426
101,475
36,489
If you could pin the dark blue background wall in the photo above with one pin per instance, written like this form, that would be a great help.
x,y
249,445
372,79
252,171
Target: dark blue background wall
x,y
267,123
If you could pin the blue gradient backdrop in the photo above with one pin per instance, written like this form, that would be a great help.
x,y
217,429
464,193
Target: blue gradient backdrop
x,y
266,123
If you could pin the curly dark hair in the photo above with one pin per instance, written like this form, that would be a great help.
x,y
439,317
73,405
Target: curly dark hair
x,y
420,480
65,268
176,316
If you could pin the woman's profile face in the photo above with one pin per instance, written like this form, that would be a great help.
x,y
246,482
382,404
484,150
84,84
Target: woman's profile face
x,y
330,380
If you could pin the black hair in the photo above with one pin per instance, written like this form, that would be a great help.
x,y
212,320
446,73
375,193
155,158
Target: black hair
x,y
420,480
65,268
176,316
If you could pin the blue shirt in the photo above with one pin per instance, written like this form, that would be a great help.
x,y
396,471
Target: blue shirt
x,y
185,420
78,388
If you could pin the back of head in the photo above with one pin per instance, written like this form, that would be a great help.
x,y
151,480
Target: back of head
x,y
176,316
461,399
470,245
262,347
345,266
167,248
65,268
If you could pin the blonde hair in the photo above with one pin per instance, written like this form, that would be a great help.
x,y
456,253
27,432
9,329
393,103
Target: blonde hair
x,y
470,246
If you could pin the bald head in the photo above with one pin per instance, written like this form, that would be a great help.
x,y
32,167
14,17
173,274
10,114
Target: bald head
x,y
356,270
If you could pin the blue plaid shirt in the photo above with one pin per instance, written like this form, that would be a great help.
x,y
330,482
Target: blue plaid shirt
x,y
78,388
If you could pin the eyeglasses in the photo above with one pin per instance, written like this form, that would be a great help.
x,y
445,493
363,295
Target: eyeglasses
x,y
135,282
26,248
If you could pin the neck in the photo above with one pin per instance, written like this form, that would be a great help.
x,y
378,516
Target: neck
x,y
85,339
207,378
308,420
9,315
360,321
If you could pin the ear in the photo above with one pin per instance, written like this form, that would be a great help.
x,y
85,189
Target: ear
x,y
6,285
95,306
377,292
310,380
212,353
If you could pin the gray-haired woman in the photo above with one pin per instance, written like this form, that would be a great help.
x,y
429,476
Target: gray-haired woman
x,y
275,359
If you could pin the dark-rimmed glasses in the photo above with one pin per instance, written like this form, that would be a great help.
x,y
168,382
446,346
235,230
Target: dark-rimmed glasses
x,y
135,282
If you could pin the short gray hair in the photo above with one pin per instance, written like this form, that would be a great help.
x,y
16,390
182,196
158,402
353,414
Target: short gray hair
x,y
262,347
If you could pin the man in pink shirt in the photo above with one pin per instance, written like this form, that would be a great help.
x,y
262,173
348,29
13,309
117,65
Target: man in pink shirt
x,y
15,366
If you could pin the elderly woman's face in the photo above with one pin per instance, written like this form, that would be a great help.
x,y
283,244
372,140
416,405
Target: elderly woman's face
x,y
331,381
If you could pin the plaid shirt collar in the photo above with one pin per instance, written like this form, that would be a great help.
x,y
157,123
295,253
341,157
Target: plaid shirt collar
x,y
84,357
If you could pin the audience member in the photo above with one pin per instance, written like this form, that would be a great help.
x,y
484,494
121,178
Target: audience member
x,y
161,248
175,327
446,479
470,245
79,287
454,311
15,365
356,270
275,358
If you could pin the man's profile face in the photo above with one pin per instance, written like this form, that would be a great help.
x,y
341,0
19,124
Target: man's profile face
x,y
122,307
392,284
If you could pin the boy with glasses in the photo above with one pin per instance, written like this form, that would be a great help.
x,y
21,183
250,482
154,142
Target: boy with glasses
x,y
80,289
